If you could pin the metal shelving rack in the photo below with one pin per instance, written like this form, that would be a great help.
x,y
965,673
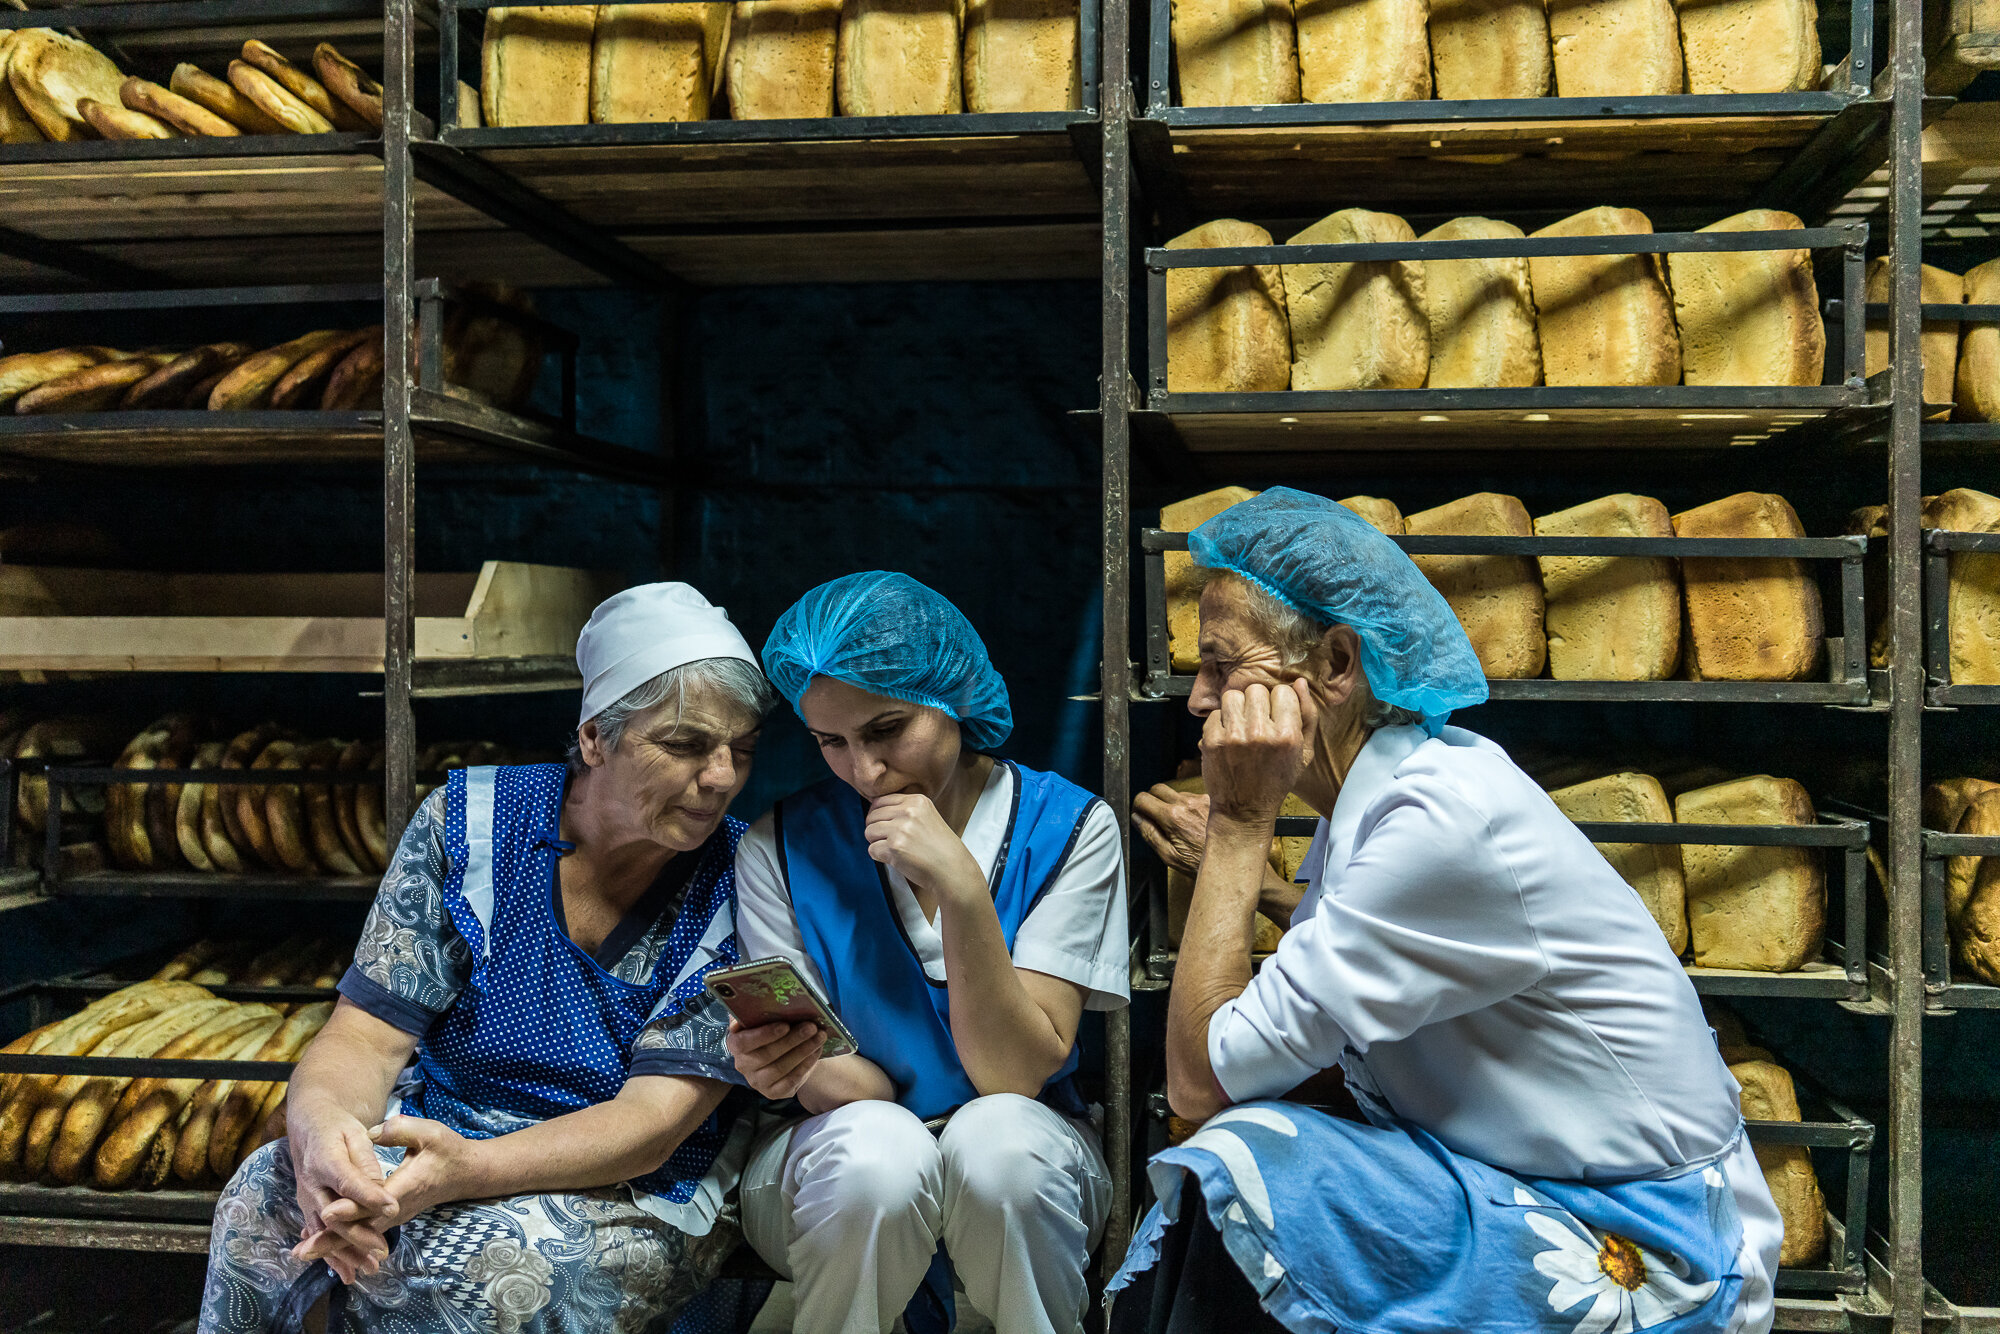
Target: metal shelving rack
x,y
1168,167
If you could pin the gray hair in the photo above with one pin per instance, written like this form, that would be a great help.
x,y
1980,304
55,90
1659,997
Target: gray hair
x,y
1295,636
732,681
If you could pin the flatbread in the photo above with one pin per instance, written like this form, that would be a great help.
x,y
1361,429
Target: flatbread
x,y
301,85
114,120
184,114
221,98
16,126
275,101
50,73
350,85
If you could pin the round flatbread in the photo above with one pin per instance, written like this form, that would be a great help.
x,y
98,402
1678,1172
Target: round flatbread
x,y
356,382
350,85
301,85
92,389
304,383
184,114
16,125
51,72
25,370
113,120
219,96
250,384
169,385
274,101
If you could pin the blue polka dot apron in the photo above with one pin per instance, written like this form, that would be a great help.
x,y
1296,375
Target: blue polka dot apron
x,y
541,1029
1380,1229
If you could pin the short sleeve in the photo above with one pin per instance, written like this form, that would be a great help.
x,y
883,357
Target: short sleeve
x,y
411,963
1079,930
1426,922
685,1037
766,927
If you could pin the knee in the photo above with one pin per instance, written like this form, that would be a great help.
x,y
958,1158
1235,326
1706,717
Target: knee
x,y
1005,1149
873,1158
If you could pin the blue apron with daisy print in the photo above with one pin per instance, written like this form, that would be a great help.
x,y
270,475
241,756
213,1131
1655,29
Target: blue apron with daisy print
x,y
1380,1229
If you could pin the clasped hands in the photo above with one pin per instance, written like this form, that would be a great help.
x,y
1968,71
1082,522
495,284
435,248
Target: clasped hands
x,y
348,1205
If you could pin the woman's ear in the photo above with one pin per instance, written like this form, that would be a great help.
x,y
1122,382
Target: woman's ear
x,y
590,744
1337,665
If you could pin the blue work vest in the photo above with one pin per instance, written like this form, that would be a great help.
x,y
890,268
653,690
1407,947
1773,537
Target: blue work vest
x,y
540,1028
873,977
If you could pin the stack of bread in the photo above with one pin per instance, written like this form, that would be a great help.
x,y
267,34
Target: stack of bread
x,y
1770,1095
121,1133
51,740
488,358
1254,52
1708,318
777,60
1972,612
1287,858
1585,618
1972,884
56,87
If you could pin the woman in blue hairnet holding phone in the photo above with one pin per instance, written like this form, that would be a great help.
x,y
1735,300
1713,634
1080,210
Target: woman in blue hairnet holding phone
x,y
960,912
1552,1142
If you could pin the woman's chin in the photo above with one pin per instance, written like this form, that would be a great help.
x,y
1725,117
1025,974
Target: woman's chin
x,y
683,832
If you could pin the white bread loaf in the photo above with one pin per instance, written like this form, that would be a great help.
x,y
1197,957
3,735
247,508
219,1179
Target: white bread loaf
x,y
1021,55
1481,314
780,61
1235,53
1939,338
1226,328
1973,810
1972,904
1363,50
1604,319
1748,317
1652,869
1615,48
1183,579
1750,46
1498,599
1381,514
1974,601
1768,1095
1761,909
535,66
1976,385
1489,48
656,62
1749,619
898,58
1357,326
1611,618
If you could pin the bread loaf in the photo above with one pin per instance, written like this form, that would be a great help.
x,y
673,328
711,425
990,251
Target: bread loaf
x,y
1498,599
180,113
1976,382
223,100
656,62
1977,812
1381,514
1972,893
303,86
535,65
1939,338
1363,50
117,121
306,381
1235,53
141,1143
25,371
16,125
1183,580
92,389
277,101
1945,801
1357,326
1611,618
167,386
1761,909
1615,48
50,73
249,384
1489,48
1748,317
353,757
781,59
85,1116
1749,619
1768,1095
350,86
1653,870
357,381
1226,328
236,1118
898,58
369,816
1973,606
1750,46
284,809
1021,55
328,847
1604,319
1481,315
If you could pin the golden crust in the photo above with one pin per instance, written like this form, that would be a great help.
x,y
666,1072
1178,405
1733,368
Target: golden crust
x,y
169,385
304,382
250,384
357,381
276,101
301,85
350,85
50,73
25,370
183,113
114,120
92,389
16,125
221,98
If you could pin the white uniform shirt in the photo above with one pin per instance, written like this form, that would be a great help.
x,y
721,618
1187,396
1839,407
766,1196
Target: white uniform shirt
x,y
1470,960
1077,931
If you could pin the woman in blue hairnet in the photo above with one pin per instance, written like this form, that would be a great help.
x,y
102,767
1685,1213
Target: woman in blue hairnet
x,y
961,912
1551,1141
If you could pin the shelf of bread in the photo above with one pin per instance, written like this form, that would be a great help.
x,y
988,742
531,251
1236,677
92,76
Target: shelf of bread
x,y
1256,108
1612,599
55,619
1961,893
1357,333
1962,598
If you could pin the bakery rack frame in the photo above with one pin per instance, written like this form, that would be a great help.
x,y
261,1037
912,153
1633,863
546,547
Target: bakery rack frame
x,y
1845,654
1942,692
1945,988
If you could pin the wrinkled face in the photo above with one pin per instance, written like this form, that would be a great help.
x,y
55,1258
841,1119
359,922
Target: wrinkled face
x,y
676,768
1234,655
880,746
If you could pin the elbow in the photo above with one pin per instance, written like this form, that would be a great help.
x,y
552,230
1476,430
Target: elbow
x,y
1194,1099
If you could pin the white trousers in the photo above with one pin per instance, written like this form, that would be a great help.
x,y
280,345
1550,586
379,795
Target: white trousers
x,y
850,1206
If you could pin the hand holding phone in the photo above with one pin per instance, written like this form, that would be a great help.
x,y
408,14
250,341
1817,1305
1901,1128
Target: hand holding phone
x,y
771,991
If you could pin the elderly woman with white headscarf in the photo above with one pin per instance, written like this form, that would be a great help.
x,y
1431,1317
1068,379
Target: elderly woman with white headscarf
x,y
556,1154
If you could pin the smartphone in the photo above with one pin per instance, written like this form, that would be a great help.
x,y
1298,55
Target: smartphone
x,y
771,991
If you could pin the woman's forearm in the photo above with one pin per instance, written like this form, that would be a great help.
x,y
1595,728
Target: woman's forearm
x,y
596,1146
839,1080
349,1069
1214,964
1006,1041
1278,898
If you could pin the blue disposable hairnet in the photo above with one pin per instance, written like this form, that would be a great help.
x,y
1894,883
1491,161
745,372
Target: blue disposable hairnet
x,y
1319,557
889,635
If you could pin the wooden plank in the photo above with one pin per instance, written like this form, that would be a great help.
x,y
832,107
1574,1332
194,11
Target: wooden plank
x,y
105,1234
1575,428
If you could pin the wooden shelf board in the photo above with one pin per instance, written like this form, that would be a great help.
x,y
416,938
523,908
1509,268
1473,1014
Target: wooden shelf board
x,y
202,885
1580,429
1818,979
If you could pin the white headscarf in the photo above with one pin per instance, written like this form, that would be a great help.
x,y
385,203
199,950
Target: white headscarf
x,y
635,635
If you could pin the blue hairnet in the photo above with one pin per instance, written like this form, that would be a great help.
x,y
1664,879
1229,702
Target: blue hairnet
x,y
889,635
1319,557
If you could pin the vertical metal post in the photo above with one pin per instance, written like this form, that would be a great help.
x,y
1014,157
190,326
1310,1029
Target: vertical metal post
x,y
1114,393
399,721
1906,671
